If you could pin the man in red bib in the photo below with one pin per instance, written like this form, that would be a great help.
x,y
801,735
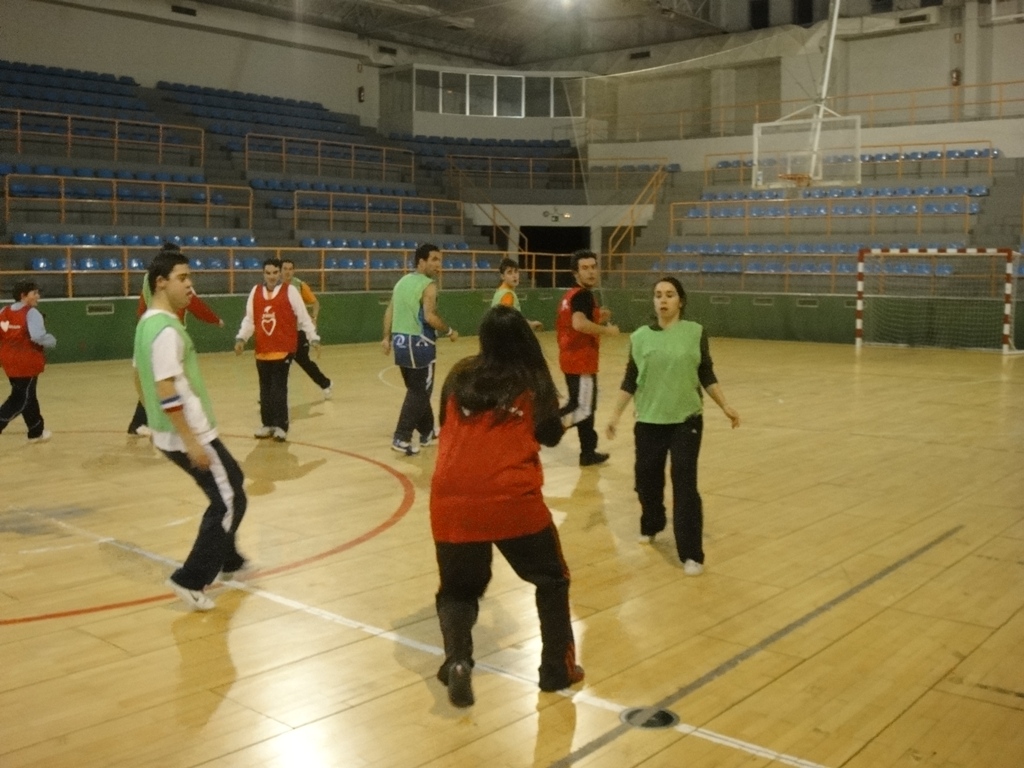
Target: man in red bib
x,y
23,337
580,323
275,313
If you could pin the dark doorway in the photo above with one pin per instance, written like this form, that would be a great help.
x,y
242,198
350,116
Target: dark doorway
x,y
759,14
803,12
554,244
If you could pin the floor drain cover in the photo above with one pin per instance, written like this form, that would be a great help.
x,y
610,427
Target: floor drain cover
x,y
646,717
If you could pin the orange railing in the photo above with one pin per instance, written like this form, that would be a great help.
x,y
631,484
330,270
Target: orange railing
x,y
313,157
528,172
235,270
983,101
736,217
165,198
355,269
117,140
627,226
552,172
901,160
500,222
367,212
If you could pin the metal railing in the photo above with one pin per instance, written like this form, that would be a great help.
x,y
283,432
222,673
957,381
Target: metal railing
x,y
900,160
93,271
627,226
122,140
76,194
498,218
823,213
314,157
383,212
354,269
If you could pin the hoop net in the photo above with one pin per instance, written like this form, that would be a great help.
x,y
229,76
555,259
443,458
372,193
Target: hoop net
x,y
956,298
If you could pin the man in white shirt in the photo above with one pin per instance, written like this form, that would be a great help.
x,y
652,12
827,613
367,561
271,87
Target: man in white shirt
x,y
181,419
274,312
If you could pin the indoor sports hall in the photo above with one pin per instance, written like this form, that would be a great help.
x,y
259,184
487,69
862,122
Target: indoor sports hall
x,y
839,188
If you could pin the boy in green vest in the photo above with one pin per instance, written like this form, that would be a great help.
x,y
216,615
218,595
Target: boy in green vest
x,y
181,419
505,295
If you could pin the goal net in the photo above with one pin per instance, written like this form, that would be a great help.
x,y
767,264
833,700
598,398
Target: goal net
x,y
800,152
958,298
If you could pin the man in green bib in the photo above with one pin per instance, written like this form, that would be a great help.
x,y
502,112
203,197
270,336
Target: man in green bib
x,y
411,326
181,419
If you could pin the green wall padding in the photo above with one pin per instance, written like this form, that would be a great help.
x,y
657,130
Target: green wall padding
x,y
103,329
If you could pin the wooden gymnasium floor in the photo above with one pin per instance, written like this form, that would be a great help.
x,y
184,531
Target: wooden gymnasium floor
x,y
862,604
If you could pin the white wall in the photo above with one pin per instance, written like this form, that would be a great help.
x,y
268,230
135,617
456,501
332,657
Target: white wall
x,y
469,126
219,48
1005,135
899,62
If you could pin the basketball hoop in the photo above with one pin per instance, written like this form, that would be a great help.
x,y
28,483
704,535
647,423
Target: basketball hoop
x,y
799,180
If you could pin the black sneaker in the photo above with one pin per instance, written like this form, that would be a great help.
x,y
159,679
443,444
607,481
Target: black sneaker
x,y
460,685
590,459
575,676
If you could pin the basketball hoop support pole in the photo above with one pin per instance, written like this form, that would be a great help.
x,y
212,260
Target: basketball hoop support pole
x,y
823,95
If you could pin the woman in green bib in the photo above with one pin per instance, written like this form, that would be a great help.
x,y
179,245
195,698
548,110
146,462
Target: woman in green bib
x,y
669,365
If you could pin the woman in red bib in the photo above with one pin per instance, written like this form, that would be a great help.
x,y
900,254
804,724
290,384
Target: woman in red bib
x,y
496,410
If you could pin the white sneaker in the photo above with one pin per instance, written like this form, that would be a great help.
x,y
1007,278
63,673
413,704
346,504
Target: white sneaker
x,y
46,435
693,568
327,392
279,434
263,432
430,438
193,598
646,539
406,447
141,431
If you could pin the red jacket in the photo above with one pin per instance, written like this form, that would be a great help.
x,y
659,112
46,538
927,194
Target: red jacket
x,y
488,477
577,351
20,357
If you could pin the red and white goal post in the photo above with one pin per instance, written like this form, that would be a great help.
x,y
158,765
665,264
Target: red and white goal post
x,y
960,298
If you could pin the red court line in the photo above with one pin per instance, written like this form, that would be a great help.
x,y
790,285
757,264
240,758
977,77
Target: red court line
x,y
408,496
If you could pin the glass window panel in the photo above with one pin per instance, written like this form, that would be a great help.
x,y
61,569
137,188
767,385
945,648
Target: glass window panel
x,y
510,96
481,95
428,90
538,96
453,93
568,97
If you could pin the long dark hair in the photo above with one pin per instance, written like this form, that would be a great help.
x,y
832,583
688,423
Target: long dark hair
x,y
510,362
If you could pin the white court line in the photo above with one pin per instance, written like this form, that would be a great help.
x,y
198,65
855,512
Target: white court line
x,y
433,650
384,381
